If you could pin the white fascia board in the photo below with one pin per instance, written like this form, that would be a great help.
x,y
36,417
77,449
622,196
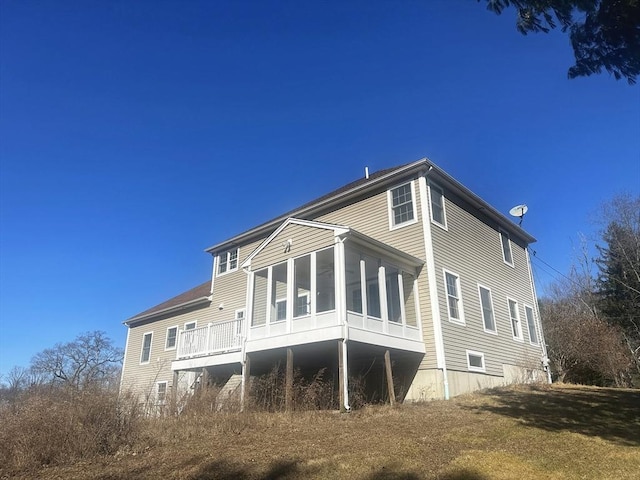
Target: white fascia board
x,y
443,178
337,230
364,187
418,166
174,308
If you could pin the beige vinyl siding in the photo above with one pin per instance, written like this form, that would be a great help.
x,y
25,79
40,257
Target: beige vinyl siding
x,y
370,216
304,239
472,249
230,289
142,379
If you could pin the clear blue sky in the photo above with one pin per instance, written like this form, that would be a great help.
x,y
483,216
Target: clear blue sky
x,y
135,134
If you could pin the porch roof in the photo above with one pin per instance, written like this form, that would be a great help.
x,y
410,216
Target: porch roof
x,y
193,297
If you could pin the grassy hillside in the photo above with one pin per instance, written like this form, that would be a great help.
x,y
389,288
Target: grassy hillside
x,y
550,432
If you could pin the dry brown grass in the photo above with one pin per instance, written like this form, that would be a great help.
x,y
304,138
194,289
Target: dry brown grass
x,y
558,432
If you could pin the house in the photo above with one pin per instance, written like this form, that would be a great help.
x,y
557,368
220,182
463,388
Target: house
x,y
405,273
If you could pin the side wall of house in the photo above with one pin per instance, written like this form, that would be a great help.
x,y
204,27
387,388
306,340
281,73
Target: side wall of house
x,y
230,289
142,378
471,249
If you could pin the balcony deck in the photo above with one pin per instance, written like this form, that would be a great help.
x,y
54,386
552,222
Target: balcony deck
x,y
222,343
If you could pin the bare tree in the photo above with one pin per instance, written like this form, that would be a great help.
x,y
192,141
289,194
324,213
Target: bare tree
x,y
583,347
89,359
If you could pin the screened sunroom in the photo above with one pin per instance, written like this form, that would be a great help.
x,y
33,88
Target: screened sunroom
x,y
357,284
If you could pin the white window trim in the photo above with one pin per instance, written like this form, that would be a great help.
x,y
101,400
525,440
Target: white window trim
x,y
145,362
308,302
413,206
276,319
444,226
166,392
238,311
533,318
519,337
195,325
508,237
228,255
471,368
461,320
167,338
493,310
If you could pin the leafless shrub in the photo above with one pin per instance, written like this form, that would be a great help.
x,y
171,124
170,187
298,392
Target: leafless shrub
x,y
62,425
315,392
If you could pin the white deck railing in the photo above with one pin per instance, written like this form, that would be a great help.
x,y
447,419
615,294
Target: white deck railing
x,y
211,339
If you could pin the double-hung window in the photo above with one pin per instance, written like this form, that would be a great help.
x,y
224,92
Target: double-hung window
x,y
454,298
438,215
228,261
531,325
507,255
161,393
146,348
172,336
487,310
516,327
401,205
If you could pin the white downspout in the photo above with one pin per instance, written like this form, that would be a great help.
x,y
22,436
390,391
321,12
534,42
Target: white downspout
x,y
537,314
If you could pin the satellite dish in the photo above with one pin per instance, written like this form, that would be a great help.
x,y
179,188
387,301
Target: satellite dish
x,y
519,211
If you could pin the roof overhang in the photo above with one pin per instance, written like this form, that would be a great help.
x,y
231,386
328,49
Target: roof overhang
x,y
423,166
382,249
309,210
201,301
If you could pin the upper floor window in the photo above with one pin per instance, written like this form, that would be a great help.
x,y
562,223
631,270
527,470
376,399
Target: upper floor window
x,y
487,310
146,348
190,325
533,335
438,215
228,261
401,205
454,299
516,327
172,335
507,256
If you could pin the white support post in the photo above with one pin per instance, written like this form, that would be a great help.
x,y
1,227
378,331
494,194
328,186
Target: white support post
x,y
382,287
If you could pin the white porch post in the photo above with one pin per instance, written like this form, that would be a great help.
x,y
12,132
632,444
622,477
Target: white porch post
x,y
342,318
382,288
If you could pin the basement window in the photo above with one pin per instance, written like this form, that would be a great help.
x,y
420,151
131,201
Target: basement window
x,y
475,361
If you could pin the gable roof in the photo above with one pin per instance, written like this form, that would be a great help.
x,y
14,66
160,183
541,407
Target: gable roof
x,y
362,186
193,297
337,229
